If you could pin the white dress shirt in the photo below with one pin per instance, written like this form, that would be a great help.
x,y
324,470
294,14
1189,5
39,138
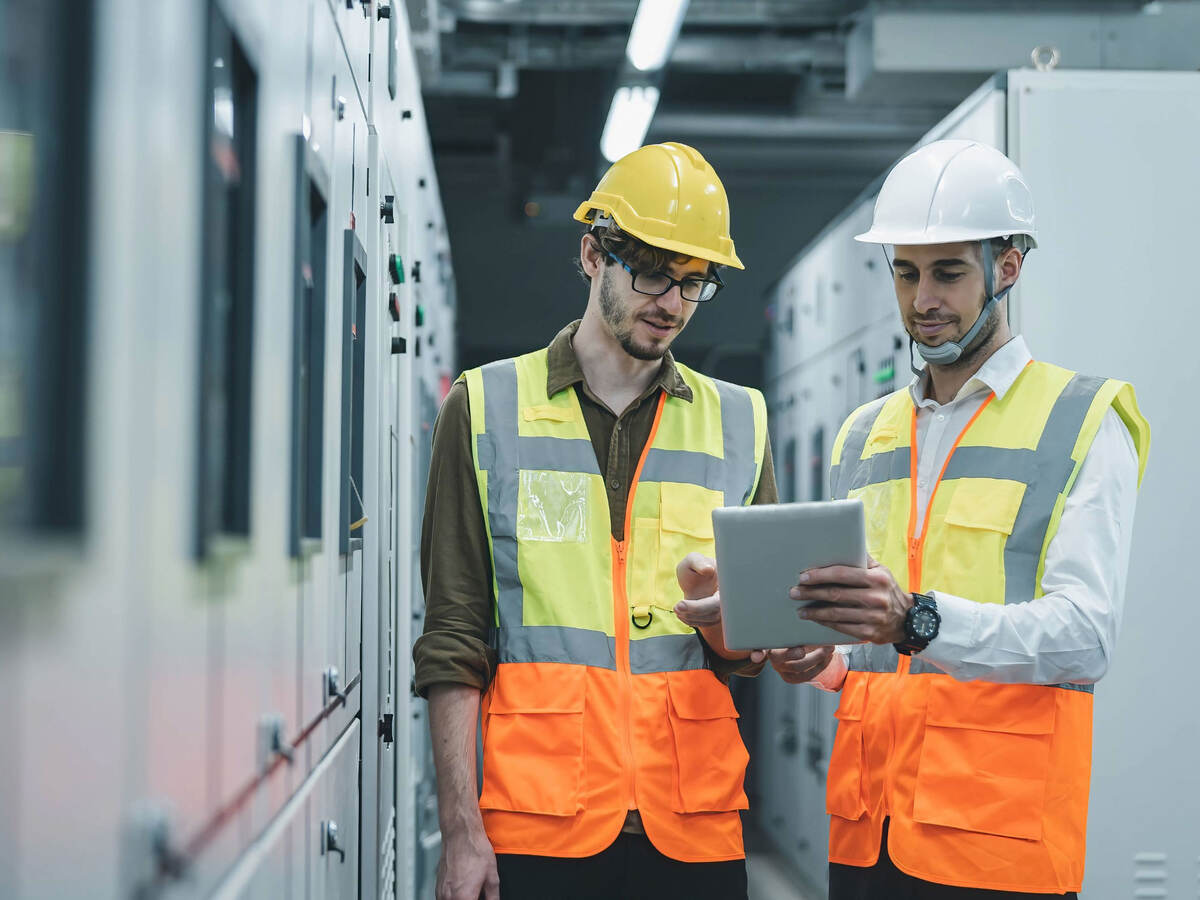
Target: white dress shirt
x,y
1068,634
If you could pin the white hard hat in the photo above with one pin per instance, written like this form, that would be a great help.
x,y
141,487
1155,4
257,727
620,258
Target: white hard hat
x,y
952,191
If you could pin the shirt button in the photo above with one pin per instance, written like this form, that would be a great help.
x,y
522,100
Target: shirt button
x,y
618,426
941,416
614,484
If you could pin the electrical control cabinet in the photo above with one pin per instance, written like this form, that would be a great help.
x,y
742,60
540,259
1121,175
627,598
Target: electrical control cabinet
x,y
208,674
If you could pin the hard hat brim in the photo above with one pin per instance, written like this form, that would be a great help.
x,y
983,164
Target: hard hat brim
x,y
928,236
692,250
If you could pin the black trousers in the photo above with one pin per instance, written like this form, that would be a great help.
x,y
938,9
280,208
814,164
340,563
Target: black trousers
x,y
883,881
630,869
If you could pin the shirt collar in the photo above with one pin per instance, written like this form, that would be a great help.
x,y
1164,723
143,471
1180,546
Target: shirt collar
x,y
564,369
997,374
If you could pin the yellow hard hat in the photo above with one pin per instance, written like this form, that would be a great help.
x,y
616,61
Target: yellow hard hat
x,y
670,197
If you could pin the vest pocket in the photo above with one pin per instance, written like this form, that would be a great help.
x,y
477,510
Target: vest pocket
x,y
844,782
979,519
711,758
685,526
533,739
986,757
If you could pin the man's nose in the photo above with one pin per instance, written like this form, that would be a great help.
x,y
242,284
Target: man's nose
x,y
671,301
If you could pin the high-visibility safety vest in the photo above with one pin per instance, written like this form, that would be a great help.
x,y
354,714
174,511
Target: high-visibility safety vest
x,y
601,701
986,784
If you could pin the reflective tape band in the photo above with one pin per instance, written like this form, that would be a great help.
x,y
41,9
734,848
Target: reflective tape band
x,y
686,466
666,653
737,438
556,644
851,459
922,667
1023,549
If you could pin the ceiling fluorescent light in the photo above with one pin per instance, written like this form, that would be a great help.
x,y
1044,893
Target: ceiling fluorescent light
x,y
655,28
628,119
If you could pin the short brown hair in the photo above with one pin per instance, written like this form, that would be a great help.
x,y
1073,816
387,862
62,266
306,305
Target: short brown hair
x,y
637,254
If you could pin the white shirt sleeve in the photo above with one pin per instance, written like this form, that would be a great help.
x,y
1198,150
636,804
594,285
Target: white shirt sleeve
x,y
832,677
1067,635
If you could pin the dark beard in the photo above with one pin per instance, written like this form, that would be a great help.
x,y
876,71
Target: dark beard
x,y
613,315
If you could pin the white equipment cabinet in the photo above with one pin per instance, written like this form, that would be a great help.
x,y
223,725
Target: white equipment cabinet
x,y
1111,159
207,671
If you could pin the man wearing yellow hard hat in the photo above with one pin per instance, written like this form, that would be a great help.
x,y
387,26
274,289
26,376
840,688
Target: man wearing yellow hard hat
x,y
568,508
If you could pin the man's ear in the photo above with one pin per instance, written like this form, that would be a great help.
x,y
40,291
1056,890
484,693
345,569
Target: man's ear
x,y
1008,267
590,255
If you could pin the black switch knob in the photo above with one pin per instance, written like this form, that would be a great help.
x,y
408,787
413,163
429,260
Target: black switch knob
x,y
399,345
384,12
396,268
387,209
416,272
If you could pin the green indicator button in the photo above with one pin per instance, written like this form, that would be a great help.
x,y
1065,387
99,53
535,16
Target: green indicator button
x,y
885,374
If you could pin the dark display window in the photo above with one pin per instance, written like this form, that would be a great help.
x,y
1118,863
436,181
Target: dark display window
x,y
227,291
45,103
354,314
308,361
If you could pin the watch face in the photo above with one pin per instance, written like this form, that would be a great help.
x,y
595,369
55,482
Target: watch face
x,y
924,624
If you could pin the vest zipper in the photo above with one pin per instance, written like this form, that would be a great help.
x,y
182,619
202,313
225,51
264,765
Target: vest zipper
x,y
624,671
621,608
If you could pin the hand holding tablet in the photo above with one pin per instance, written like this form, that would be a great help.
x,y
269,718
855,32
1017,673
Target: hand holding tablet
x,y
761,551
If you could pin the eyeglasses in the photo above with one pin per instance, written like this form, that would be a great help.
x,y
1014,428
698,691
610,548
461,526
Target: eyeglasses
x,y
655,284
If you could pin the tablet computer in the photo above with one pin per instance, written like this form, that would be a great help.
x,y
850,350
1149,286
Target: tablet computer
x,y
761,551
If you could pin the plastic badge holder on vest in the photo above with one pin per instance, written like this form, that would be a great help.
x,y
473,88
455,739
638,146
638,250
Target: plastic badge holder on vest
x,y
761,551
553,506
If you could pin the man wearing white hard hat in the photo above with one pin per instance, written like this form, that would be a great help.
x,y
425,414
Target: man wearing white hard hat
x,y
999,494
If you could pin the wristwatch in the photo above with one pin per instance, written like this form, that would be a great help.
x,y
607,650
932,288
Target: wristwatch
x,y
920,625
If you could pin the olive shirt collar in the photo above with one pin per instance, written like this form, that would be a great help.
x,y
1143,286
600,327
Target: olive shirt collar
x,y
565,371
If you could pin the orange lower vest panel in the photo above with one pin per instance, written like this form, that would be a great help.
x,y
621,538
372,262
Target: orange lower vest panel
x,y
560,771
986,785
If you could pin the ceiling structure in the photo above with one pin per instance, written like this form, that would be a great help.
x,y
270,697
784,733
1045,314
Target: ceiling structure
x,y
784,96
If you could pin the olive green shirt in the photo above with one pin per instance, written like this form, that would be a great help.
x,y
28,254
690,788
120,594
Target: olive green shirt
x,y
456,563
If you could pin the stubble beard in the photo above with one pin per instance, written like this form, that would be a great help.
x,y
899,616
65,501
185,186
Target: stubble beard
x,y
620,323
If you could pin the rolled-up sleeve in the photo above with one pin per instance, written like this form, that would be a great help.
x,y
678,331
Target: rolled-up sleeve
x,y
456,566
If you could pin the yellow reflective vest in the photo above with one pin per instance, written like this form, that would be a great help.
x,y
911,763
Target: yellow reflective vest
x,y
986,785
601,701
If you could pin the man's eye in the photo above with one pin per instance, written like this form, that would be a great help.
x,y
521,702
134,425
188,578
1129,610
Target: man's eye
x,y
910,277
949,276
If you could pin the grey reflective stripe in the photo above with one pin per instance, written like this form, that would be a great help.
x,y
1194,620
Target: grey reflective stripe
x,y
1025,466
687,466
738,439
921,667
840,476
872,658
1023,549
665,653
876,469
557,455
497,450
556,644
